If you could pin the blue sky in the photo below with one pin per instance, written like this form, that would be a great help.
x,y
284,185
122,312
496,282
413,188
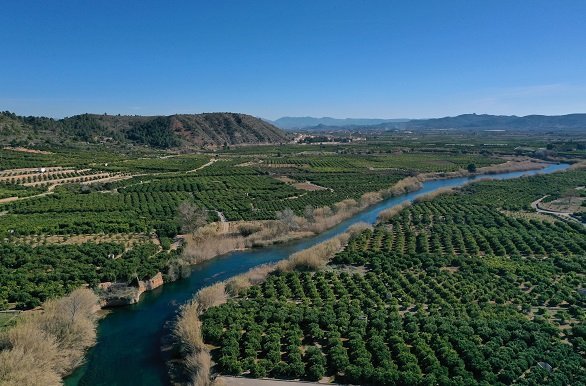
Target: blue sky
x,y
340,58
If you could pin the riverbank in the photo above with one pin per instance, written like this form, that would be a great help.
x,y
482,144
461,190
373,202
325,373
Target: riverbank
x,y
512,164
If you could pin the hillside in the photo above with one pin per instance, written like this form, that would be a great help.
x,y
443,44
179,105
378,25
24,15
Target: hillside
x,y
208,129
218,128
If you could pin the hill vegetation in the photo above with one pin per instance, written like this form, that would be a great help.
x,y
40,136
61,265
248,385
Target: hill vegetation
x,y
209,129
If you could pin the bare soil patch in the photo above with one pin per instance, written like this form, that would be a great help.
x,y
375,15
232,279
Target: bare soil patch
x,y
25,150
286,180
308,186
300,185
565,204
241,381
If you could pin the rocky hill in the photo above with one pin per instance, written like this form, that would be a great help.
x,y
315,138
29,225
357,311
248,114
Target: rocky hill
x,y
209,129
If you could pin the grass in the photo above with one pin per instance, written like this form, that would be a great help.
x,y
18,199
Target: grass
x,y
8,319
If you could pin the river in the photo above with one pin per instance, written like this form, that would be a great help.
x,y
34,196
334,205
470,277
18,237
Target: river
x,y
129,338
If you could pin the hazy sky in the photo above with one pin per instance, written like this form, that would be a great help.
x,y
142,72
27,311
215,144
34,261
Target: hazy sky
x,y
340,58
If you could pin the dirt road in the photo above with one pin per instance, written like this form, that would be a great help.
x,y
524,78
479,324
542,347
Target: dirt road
x,y
562,215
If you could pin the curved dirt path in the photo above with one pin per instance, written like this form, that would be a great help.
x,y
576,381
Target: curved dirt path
x,y
210,162
562,215
13,199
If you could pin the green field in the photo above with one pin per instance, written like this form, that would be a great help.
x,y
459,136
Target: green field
x,y
149,199
100,190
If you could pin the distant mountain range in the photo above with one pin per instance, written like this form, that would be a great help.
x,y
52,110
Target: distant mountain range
x,y
504,122
209,129
289,123
570,122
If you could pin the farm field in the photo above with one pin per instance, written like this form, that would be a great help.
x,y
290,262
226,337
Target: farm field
x,y
56,206
149,198
31,275
452,289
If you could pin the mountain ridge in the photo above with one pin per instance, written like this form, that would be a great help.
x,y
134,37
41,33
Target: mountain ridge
x,y
289,123
488,121
162,131
576,121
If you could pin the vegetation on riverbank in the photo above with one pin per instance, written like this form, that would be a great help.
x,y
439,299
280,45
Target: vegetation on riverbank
x,y
217,239
47,344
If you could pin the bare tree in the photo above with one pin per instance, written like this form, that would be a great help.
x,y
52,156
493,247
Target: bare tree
x,y
191,217
82,302
288,218
211,296
308,213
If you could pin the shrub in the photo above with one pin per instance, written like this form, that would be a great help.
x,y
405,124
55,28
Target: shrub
x,y
198,365
47,345
187,329
393,211
211,296
165,243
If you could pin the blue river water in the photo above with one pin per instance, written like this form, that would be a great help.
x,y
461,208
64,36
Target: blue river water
x,y
129,338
